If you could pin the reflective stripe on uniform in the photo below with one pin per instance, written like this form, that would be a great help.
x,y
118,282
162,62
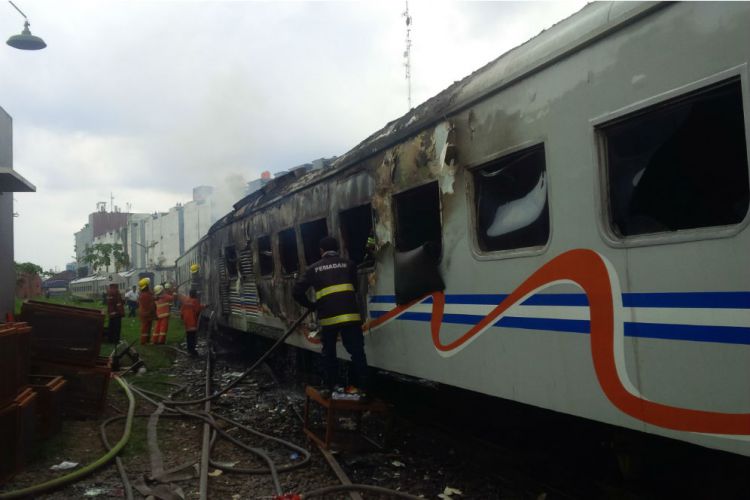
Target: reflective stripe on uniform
x,y
345,287
342,318
162,309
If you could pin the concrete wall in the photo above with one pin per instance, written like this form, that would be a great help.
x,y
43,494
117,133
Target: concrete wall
x,y
7,268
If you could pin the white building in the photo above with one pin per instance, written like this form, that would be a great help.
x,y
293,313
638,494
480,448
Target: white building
x,y
156,241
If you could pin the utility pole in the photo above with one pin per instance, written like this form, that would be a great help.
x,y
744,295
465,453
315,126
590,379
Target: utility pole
x,y
407,52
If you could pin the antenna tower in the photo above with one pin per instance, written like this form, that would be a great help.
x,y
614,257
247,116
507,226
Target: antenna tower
x,y
407,52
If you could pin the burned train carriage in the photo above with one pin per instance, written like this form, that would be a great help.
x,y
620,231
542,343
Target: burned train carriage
x,y
585,198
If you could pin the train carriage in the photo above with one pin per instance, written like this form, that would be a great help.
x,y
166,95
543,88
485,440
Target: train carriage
x,y
94,287
586,198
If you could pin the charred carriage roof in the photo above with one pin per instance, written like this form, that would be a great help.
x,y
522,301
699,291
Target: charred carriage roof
x,y
578,31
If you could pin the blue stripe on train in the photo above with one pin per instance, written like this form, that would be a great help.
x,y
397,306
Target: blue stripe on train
x,y
695,333
711,300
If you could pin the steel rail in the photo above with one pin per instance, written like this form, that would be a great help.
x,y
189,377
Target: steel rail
x,y
206,444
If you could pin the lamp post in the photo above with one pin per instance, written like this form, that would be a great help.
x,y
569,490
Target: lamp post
x,y
147,248
25,41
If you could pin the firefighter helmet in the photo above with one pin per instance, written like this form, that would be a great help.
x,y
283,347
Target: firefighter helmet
x,y
158,289
194,268
143,283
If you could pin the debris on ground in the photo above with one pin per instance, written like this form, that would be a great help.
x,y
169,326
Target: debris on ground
x,y
65,465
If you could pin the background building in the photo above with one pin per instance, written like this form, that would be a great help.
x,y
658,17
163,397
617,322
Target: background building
x,y
155,241
151,241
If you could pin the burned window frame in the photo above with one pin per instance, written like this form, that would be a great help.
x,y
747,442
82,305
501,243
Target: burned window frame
x,y
471,191
665,99
280,239
230,264
317,243
395,211
259,248
344,236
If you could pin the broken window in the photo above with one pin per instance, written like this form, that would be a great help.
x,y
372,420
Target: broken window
x,y
678,165
265,256
510,200
418,217
230,257
356,227
288,251
312,232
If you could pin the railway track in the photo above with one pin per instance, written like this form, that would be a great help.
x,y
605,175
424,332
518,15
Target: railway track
x,y
445,441
217,425
519,451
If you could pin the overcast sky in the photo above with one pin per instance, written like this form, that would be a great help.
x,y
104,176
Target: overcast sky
x,y
147,99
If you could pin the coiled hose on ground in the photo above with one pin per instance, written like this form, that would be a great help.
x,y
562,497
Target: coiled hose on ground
x,y
210,419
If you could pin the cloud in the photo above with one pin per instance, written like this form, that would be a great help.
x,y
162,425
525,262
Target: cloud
x,y
147,99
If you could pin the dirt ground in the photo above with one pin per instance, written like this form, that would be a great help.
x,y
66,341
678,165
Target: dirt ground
x,y
416,461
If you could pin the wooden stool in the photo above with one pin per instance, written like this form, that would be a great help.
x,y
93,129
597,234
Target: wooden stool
x,y
334,405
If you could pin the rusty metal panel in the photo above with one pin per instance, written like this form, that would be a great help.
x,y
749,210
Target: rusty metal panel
x,y
8,441
86,393
64,334
14,359
50,391
25,426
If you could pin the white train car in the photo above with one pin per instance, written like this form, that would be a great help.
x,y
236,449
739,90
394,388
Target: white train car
x,y
94,287
586,195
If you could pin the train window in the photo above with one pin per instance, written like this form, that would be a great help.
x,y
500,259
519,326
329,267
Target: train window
x,y
265,256
230,256
418,217
356,227
678,165
510,201
312,233
288,251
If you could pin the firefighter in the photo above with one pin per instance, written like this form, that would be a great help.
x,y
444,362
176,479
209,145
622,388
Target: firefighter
x,y
195,280
164,301
115,311
146,309
371,249
190,311
335,282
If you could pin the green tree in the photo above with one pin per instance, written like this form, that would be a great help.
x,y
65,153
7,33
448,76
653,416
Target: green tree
x,y
26,269
122,261
102,255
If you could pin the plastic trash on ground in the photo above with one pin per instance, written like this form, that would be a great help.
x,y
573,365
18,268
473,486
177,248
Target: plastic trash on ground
x,y
64,465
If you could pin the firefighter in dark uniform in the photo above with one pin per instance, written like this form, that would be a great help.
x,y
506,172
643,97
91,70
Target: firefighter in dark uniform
x,y
335,282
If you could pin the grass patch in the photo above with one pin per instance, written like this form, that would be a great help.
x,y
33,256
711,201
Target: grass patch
x,y
138,442
154,356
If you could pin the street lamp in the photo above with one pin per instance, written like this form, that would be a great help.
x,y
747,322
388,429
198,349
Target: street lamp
x,y
25,41
147,248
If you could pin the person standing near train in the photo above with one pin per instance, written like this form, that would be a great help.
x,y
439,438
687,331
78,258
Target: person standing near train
x,y
115,312
190,310
131,297
146,309
164,301
334,280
